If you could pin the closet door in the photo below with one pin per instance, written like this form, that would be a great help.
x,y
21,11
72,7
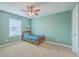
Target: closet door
x,y
75,30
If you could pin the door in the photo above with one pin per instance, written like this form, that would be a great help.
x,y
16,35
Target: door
x,y
75,30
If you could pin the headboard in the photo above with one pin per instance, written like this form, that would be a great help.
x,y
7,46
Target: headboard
x,y
23,33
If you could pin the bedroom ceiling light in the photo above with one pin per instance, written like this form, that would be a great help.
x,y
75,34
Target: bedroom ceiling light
x,y
31,14
32,10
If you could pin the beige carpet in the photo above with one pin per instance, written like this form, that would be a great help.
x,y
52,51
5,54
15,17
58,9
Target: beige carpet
x,y
24,49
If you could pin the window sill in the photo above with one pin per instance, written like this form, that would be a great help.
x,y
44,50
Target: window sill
x,y
13,36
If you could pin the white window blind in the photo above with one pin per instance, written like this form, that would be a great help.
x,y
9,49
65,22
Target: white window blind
x,y
14,27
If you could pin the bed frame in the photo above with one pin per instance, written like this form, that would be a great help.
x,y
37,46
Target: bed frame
x,y
37,42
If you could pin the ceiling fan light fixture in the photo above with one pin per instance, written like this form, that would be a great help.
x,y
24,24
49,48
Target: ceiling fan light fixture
x,y
31,14
33,10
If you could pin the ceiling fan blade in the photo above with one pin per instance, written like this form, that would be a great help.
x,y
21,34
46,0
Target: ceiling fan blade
x,y
28,7
37,10
35,13
24,11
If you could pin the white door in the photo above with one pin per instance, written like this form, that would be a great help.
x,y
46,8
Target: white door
x,y
75,30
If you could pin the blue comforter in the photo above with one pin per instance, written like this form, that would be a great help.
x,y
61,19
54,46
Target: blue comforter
x,y
32,37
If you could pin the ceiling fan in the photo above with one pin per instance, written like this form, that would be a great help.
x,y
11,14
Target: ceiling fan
x,y
32,9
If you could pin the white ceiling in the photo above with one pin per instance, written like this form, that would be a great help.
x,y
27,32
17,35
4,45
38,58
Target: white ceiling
x,y
46,8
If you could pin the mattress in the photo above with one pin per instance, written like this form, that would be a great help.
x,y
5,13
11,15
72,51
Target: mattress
x,y
31,37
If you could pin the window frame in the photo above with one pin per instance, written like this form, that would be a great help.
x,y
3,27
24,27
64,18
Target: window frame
x,y
9,35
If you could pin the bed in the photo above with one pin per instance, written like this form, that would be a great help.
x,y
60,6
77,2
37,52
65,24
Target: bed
x,y
32,38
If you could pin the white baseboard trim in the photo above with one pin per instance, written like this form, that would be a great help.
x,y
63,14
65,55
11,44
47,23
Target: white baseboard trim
x,y
59,44
9,44
45,41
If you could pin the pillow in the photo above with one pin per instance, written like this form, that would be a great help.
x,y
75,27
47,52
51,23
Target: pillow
x,y
26,35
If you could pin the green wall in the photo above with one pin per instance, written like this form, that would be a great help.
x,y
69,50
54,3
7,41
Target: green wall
x,y
55,27
4,29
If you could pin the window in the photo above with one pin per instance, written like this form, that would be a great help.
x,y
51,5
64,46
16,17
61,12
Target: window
x,y
14,27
